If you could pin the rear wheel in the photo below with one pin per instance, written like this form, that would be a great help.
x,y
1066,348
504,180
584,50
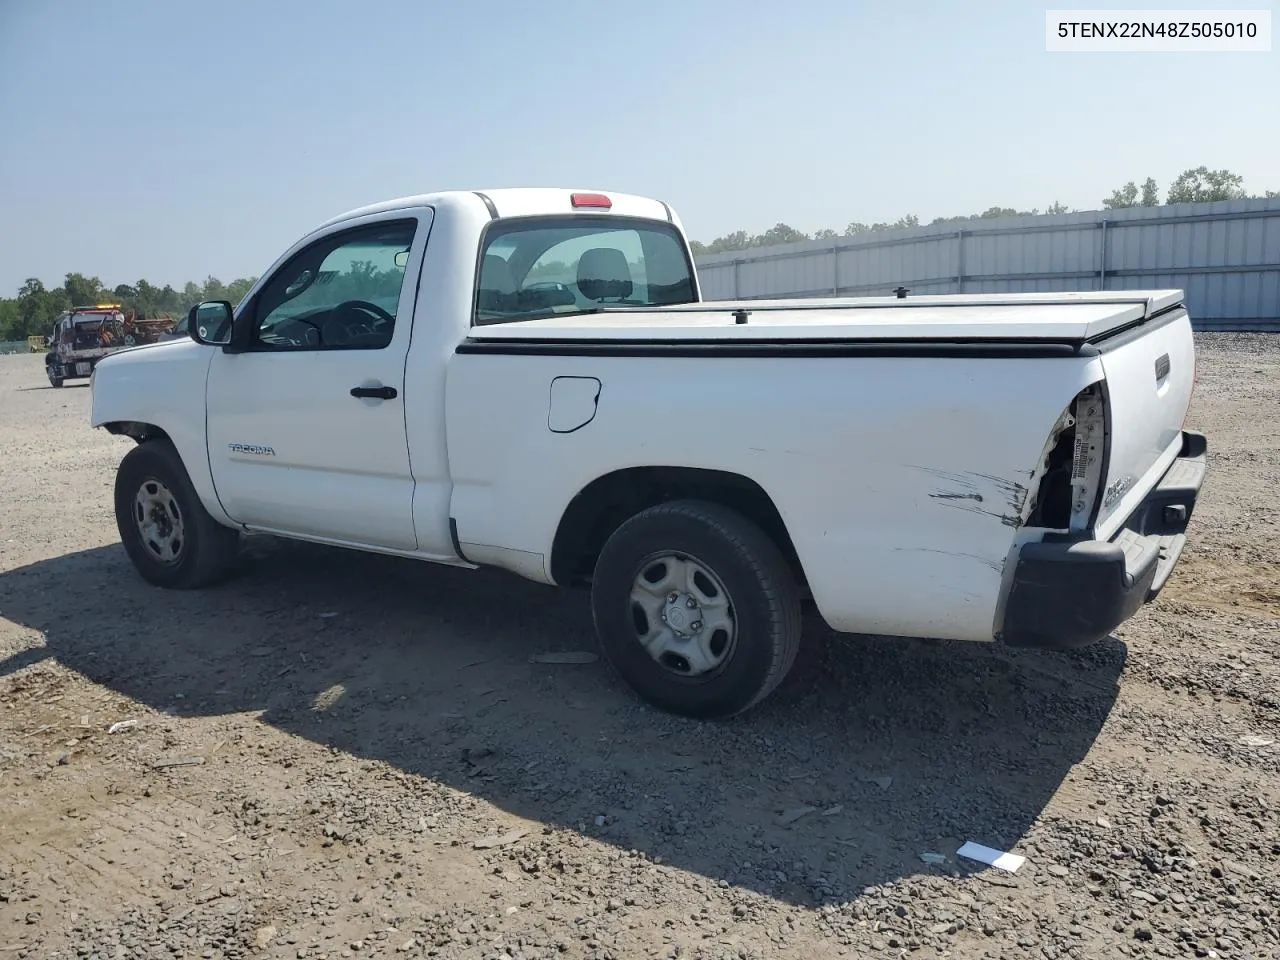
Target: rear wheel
x,y
170,537
54,373
696,608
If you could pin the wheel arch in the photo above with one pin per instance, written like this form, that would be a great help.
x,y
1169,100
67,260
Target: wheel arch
x,y
191,450
137,430
604,504
200,550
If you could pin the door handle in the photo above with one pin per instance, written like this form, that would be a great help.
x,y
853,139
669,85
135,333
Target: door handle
x,y
378,393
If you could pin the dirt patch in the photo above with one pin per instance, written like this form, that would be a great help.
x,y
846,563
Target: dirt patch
x,y
338,755
1228,584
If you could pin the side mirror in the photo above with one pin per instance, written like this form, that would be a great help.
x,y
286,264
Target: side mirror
x,y
210,323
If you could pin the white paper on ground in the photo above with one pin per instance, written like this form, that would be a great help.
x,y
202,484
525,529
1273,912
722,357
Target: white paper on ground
x,y
992,858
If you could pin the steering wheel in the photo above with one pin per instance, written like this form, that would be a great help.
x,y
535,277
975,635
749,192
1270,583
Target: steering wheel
x,y
367,307
339,331
311,336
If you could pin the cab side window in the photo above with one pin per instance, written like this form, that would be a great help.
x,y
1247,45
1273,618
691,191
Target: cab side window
x,y
340,293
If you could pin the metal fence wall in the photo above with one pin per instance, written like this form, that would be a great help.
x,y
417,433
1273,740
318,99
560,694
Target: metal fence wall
x,y
1225,256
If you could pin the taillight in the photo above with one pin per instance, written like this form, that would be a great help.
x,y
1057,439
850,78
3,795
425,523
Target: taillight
x,y
596,200
1066,485
1088,455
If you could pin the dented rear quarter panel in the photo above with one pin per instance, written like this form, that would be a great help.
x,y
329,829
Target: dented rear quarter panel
x,y
901,481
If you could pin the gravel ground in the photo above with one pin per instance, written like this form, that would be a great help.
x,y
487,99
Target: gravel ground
x,y
339,755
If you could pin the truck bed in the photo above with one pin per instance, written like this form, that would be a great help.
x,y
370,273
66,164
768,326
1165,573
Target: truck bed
x,y
1069,319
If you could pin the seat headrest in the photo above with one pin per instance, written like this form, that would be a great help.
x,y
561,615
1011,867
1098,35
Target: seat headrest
x,y
497,293
603,273
495,274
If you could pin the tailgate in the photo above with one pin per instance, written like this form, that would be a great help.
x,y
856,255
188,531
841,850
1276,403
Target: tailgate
x,y
1150,373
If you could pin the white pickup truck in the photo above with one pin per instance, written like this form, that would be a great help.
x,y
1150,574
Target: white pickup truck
x,y
528,379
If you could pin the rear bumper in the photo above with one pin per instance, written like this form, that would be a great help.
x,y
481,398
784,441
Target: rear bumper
x,y
70,369
1069,593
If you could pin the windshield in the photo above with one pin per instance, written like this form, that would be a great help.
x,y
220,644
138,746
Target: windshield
x,y
87,317
542,266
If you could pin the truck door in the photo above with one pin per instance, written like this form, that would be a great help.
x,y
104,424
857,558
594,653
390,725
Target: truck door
x,y
306,427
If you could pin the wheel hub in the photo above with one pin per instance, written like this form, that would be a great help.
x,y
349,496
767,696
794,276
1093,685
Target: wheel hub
x,y
682,614
159,521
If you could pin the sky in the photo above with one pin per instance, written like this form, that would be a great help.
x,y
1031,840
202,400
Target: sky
x,y
172,141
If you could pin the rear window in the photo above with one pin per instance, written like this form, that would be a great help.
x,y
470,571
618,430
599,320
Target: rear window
x,y
539,267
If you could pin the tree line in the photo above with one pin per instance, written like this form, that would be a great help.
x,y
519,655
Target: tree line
x,y
33,311
1196,185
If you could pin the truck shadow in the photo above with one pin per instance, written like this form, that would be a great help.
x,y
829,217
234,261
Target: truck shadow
x,y
899,746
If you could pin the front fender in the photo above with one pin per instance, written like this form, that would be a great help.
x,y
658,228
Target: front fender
x,y
162,385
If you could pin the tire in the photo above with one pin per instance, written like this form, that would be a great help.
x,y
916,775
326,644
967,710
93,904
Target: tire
x,y
54,381
695,672
152,478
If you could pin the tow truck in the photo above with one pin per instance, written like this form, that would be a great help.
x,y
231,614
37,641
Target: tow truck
x,y
84,335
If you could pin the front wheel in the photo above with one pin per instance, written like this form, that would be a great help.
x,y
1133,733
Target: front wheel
x,y
696,608
170,537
